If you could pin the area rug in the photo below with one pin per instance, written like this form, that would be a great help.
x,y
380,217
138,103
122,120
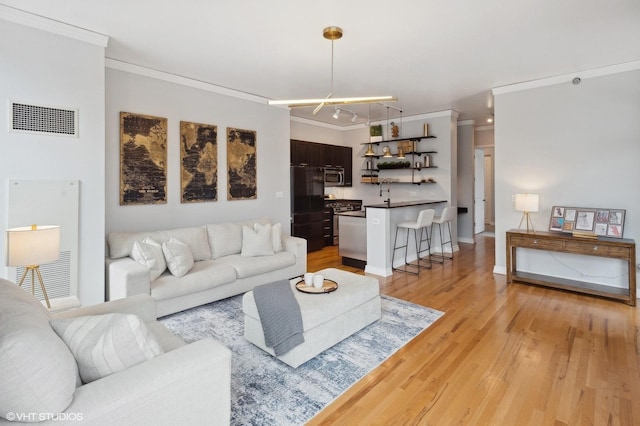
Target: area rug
x,y
265,391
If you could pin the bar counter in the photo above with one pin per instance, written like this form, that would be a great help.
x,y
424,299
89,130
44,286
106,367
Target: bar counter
x,y
381,228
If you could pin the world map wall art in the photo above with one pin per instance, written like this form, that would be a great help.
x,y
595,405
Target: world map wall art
x,y
199,162
241,164
143,159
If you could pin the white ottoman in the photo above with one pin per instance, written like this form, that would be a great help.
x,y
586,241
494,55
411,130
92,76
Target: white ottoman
x,y
328,318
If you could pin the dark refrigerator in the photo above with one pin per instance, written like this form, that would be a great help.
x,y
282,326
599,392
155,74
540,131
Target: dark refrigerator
x,y
307,205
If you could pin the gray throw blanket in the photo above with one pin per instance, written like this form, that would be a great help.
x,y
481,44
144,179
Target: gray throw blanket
x,y
280,316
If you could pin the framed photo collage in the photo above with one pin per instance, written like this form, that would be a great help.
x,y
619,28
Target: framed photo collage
x,y
599,222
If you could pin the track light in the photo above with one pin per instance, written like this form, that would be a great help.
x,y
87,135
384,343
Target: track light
x,y
353,119
337,113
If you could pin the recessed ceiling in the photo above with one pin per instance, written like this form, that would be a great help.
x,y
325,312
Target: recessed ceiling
x,y
431,55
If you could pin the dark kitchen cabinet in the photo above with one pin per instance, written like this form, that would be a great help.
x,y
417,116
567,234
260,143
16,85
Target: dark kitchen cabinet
x,y
322,155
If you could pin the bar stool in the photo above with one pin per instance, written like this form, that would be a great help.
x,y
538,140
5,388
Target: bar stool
x,y
447,217
422,225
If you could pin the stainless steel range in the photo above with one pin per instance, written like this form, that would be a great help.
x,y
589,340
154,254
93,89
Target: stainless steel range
x,y
337,207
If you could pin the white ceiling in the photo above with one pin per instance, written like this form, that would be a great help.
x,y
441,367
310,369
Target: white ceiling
x,y
432,55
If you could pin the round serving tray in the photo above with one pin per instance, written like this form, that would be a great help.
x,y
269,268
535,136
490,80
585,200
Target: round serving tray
x,y
327,287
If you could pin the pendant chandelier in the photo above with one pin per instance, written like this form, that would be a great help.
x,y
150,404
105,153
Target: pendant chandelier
x,y
331,33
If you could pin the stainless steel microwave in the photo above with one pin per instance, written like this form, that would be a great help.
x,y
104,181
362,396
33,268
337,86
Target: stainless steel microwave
x,y
333,176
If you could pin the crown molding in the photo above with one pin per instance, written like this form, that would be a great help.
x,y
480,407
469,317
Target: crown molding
x,y
566,78
466,122
52,26
184,81
483,128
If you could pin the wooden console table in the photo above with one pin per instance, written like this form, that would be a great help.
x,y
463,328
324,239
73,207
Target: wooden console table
x,y
624,249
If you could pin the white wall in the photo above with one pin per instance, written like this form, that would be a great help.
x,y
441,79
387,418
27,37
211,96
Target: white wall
x,y
45,68
131,92
574,145
466,175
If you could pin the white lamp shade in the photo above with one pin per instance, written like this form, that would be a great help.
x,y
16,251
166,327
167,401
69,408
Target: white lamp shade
x,y
527,202
33,245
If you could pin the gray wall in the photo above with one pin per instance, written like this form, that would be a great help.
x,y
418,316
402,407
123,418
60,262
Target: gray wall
x,y
131,92
574,146
44,68
466,170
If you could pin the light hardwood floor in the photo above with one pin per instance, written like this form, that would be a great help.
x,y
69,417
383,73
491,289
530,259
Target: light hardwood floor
x,y
501,355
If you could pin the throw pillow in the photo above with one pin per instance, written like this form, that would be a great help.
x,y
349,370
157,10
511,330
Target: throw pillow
x,y
105,344
276,235
37,371
178,256
149,253
258,242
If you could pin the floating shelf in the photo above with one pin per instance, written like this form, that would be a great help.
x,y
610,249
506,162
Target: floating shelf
x,y
416,139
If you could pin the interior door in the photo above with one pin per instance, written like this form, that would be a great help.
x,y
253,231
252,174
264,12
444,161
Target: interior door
x,y
478,196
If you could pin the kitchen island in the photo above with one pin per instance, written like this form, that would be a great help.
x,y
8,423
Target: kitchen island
x,y
381,221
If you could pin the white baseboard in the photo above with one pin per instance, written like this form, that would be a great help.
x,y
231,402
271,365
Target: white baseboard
x,y
502,270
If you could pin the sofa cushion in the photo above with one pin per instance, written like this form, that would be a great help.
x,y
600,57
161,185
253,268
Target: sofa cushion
x,y
105,344
250,266
257,241
203,276
178,256
121,243
148,252
226,238
37,371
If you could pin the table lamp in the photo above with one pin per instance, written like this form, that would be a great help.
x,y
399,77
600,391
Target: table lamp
x,y
31,246
527,203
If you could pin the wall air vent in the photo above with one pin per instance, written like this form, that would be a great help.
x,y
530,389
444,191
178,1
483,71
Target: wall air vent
x,y
42,119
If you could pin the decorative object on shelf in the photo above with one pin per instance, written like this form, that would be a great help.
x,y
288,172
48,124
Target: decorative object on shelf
x,y
386,152
588,222
401,154
428,180
375,133
32,246
394,165
426,129
418,165
331,33
242,172
198,162
395,130
370,152
526,203
427,160
143,159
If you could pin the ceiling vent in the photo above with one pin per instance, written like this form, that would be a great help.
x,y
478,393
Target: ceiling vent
x,y
42,119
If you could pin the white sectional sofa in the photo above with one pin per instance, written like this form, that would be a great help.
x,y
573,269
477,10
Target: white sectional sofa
x,y
228,259
41,379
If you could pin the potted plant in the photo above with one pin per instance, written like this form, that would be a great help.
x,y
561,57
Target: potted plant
x,y
375,133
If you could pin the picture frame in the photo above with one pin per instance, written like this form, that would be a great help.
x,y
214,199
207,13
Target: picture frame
x,y
596,222
242,164
198,162
143,159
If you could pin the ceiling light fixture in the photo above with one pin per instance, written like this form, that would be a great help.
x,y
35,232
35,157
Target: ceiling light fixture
x,y
336,114
331,33
490,118
354,118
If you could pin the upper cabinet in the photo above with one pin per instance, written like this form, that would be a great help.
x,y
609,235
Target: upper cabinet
x,y
323,155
